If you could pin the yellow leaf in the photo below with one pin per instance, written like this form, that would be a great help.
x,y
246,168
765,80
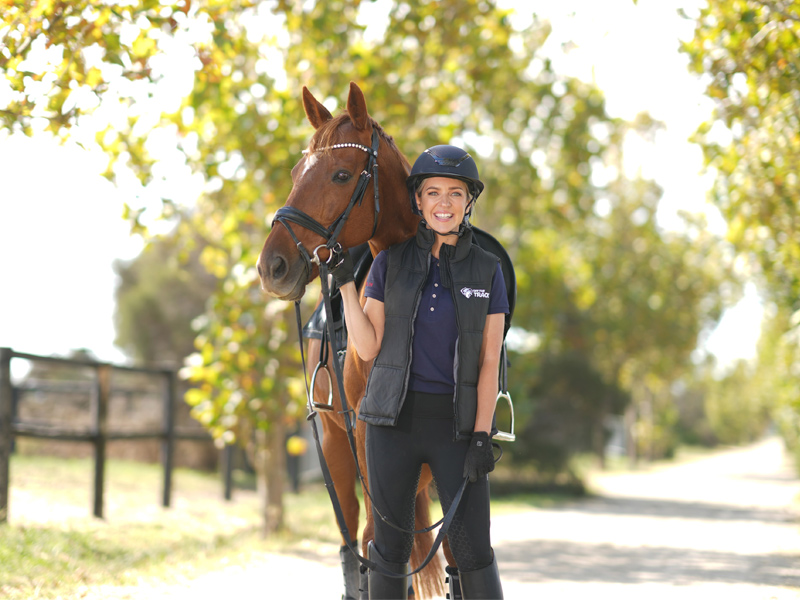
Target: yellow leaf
x,y
94,77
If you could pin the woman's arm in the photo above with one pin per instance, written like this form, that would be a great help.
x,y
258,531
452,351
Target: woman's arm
x,y
364,325
489,369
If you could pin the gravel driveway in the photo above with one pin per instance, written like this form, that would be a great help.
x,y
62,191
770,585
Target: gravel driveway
x,y
720,527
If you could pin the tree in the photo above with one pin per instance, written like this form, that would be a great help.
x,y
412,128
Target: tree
x,y
160,293
749,50
61,60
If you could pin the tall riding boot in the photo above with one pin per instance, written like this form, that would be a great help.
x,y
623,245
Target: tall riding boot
x,y
351,573
482,584
382,587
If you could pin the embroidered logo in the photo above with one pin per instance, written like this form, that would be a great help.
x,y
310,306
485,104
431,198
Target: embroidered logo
x,y
470,292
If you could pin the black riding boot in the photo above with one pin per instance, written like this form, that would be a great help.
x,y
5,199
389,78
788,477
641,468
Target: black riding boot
x,y
351,573
482,584
382,587
453,581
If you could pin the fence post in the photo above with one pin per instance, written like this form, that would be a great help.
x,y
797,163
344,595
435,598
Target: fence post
x,y
100,409
227,471
5,429
168,441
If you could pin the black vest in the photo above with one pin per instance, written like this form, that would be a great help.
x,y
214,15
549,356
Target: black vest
x,y
468,272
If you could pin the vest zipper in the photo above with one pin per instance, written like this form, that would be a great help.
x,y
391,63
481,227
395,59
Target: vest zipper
x,y
456,358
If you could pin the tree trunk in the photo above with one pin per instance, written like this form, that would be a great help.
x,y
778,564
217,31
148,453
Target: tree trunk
x,y
630,433
599,434
271,474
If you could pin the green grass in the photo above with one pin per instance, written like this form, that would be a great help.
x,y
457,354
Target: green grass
x,y
52,548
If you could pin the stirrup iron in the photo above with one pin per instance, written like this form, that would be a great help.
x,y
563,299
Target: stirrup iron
x,y
505,436
322,405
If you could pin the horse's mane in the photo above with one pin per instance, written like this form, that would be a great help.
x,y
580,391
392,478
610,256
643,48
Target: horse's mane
x,y
328,134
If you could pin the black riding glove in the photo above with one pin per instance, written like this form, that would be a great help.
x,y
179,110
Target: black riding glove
x,y
343,270
480,457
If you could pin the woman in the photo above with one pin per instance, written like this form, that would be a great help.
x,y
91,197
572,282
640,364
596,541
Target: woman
x,y
433,323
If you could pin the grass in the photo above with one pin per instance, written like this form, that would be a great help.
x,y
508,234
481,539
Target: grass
x,y
52,548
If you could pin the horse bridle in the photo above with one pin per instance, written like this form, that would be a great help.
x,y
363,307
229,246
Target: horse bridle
x,y
290,214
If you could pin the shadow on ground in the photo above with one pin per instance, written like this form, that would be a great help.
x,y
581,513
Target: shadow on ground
x,y
667,509
536,561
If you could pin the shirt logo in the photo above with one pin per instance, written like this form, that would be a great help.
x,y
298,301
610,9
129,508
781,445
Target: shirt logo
x,y
470,292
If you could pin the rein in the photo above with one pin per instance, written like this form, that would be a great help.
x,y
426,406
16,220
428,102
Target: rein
x,y
290,214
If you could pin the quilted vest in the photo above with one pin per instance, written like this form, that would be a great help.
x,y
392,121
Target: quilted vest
x,y
468,271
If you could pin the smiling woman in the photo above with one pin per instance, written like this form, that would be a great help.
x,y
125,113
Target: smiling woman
x,y
60,231
443,203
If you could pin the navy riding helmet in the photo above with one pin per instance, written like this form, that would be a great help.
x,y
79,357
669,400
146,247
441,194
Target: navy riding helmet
x,y
444,161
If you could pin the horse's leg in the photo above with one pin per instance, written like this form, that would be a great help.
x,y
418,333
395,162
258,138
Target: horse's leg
x,y
428,583
368,534
337,453
336,450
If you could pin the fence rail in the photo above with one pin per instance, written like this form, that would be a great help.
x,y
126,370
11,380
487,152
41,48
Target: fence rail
x,y
98,434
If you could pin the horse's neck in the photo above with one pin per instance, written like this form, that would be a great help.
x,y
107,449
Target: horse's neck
x,y
397,222
395,233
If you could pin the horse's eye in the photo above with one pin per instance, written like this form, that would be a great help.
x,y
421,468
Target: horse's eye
x,y
341,177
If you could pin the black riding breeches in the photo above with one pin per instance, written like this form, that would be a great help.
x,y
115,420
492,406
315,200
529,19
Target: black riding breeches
x,y
395,455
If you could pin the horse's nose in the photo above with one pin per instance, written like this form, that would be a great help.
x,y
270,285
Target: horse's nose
x,y
275,268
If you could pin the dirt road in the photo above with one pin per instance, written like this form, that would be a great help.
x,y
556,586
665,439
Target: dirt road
x,y
718,527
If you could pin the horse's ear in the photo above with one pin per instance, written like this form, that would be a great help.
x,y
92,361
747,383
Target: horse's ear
x,y
357,107
317,114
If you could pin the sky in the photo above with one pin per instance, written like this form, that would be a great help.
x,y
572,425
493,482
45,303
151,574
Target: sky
x,y
61,227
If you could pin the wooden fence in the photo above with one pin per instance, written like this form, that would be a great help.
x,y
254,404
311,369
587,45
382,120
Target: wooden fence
x,y
98,433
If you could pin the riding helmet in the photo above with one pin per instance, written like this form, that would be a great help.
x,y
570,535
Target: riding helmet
x,y
444,161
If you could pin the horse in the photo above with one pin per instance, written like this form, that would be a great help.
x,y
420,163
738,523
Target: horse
x,y
322,199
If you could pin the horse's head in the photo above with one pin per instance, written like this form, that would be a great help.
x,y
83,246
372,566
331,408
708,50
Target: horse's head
x,y
332,203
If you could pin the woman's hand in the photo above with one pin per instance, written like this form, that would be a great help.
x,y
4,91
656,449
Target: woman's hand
x,y
343,270
480,457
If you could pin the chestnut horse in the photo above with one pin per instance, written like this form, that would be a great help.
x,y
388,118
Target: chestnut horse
x,y
323,183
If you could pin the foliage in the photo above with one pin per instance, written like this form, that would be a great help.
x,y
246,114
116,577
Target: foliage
x,y
774,377
735,406
63,59
160,293
749,50
692,427
632,300
568,398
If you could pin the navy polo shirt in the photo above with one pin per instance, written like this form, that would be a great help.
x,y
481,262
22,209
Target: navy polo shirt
x,y
435,330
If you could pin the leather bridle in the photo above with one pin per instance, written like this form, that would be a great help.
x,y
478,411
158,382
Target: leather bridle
x,y
290,214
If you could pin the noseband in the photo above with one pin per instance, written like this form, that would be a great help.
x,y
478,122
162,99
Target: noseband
x,y
290,214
